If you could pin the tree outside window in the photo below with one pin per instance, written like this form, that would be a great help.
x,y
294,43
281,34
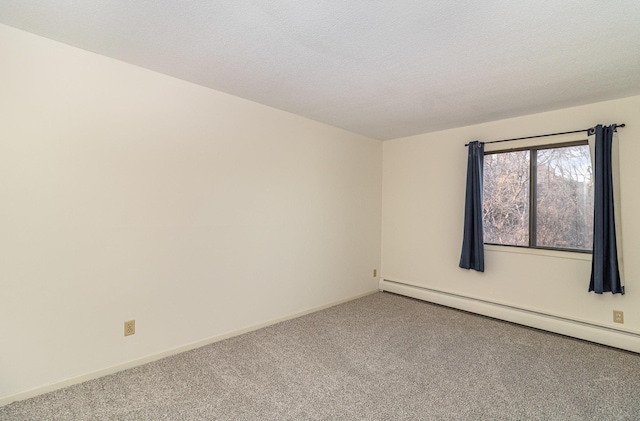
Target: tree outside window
x,y
540,197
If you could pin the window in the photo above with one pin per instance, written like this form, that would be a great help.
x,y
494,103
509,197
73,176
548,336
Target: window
x,y
539,197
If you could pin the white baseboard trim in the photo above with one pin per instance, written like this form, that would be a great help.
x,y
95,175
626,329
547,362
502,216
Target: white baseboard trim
x,y
618,338
5,400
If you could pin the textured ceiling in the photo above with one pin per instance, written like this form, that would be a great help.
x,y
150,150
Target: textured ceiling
x,y
384,69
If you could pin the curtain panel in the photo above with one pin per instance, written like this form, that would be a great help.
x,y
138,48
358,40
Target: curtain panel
x,y
606,266
472,256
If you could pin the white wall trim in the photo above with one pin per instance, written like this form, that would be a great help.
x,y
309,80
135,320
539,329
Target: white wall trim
x,y
560,254
619,338
150,358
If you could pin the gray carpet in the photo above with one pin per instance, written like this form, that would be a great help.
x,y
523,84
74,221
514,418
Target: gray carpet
x,y
382,357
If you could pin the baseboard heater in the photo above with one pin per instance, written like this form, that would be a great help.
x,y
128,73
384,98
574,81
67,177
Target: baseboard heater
x,y
602,334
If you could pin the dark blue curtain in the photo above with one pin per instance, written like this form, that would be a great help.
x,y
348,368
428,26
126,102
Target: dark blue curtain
x,y
605,273
472,256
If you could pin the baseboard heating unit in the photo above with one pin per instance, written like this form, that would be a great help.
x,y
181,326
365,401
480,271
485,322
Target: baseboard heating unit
x,y
602,334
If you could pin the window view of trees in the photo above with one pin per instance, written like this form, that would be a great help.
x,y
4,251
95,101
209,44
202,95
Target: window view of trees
x,y
505,213
561,190
565,198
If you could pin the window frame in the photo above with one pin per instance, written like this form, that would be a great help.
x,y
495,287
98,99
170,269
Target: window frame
x,y
533,175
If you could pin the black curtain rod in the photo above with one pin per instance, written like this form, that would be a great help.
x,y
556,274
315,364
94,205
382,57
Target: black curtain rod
x,y
545,135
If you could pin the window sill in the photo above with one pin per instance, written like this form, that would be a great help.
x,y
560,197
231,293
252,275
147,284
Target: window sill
x,y
538,252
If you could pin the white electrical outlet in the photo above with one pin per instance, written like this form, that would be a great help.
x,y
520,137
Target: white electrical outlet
x,y
618,316
129,327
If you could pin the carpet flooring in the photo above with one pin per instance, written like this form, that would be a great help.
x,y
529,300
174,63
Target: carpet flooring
x,y
381,357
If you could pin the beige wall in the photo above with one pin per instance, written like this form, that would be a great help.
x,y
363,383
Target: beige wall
x,y
422,212
127,194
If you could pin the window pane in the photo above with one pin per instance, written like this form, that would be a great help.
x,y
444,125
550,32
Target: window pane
x,y
564,205
506,196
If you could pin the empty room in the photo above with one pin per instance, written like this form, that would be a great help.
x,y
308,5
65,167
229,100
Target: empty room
x,y
319,210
